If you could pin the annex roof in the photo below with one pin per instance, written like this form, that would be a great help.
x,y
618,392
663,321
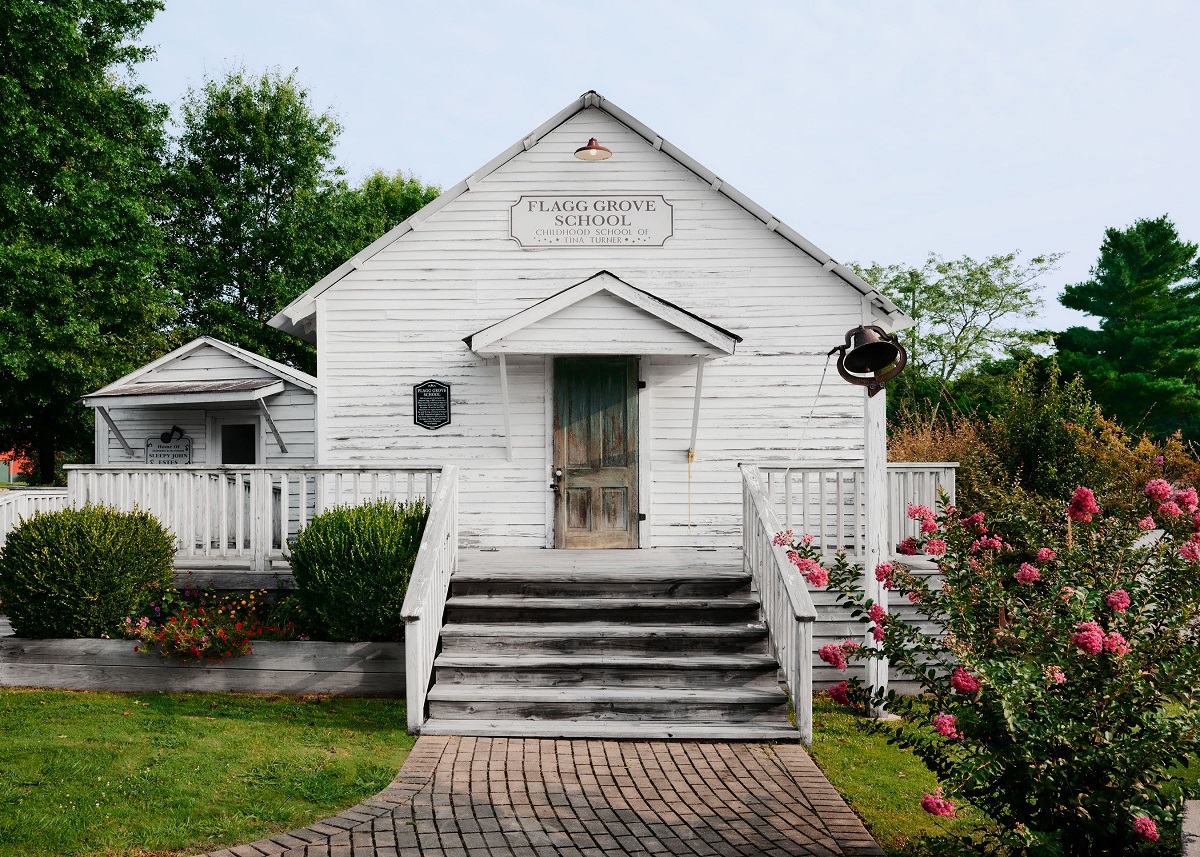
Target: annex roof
x,y
297,317
604,315
140,383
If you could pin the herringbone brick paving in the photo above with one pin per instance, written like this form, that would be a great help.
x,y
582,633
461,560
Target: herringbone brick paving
x,y
486,797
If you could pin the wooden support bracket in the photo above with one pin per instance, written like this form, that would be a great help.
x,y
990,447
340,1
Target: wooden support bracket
x,y
103,412
507,412
696,406
266,414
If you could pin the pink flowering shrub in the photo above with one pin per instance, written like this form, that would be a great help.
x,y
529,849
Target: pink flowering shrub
x,y
1061,700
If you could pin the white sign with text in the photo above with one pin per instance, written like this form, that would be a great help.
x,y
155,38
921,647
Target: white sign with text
x,y
175,452
591,220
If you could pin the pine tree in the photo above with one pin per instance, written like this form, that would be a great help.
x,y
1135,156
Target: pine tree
x,y
1143,364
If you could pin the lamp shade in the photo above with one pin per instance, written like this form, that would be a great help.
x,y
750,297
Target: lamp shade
x,y
593,151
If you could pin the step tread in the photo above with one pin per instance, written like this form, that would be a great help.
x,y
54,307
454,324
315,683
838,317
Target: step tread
x,y
631,574
613,729
622,661
617,603
597,629
591,693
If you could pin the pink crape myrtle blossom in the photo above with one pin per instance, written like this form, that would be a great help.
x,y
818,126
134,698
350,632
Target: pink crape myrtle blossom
x,y
884,572
812,570
1089,638
877,613
964,682
834,654
784,538
1047,554
975,520
1146,523
1056,675
1188,500
1083,505
817,577
928,527
1159,490
1145,828
908,547
1118,600
1027,575
935,804
1190,550
945,725
920,513
986,543
935,547
877,633
1066,593
914,597
839,693
1115,644
1170,509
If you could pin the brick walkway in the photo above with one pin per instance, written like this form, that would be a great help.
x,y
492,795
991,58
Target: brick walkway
x,y
471,797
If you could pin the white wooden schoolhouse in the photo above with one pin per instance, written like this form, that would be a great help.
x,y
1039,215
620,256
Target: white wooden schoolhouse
x,y
592,343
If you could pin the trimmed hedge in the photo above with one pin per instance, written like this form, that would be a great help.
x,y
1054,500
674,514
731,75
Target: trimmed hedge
x,y
81,572
352,565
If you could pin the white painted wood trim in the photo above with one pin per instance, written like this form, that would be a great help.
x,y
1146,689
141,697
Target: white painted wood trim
x,y
875,489
215,419
508,443
696,405
266,415
103,412
549,469
321,401
183,400
645,455
101,441
485,342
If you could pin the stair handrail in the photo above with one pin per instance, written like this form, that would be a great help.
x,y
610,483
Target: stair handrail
x,y
425,600
787,607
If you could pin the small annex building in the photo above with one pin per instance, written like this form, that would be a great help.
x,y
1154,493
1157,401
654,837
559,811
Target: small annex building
x,y
597,343
207,403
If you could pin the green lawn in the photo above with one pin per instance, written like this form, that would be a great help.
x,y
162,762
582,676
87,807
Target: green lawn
x,y
165,773
883,783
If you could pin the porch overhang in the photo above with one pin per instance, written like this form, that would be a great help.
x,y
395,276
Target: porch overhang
x,y
186,394
603,315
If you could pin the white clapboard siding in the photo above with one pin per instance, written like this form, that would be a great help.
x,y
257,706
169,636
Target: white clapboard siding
x,y
205,363
400,318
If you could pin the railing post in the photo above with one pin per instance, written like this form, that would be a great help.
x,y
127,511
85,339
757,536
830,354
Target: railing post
x,y
260,519
803,704
877,549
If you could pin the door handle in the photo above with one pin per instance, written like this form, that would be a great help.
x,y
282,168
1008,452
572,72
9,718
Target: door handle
x,y
557,479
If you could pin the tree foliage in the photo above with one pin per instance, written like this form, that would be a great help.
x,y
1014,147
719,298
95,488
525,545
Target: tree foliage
x,y
79,152
965,311
251,157
1143,364
259,211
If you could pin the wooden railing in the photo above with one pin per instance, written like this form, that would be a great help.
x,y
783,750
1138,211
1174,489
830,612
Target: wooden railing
x,y
240,515
425,601
787,606
20,503
827,500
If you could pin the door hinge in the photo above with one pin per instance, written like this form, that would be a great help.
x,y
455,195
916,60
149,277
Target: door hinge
x,y
641,385
641,516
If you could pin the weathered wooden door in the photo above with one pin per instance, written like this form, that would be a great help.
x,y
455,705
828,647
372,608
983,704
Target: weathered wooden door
x,y
595,452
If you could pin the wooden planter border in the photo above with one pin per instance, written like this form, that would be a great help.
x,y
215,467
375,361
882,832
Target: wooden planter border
x,y
347,669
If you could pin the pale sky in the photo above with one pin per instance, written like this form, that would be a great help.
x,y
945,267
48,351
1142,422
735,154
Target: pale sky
x,y
878,130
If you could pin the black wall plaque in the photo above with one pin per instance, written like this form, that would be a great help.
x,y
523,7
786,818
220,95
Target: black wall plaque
x,y
431,404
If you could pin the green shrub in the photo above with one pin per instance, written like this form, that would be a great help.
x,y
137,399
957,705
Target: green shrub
x,y
80,572
352,566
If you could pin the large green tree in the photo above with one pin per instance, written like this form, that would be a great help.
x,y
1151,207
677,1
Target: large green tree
x,y
251,156
259,211
967,315
80,145
1143,363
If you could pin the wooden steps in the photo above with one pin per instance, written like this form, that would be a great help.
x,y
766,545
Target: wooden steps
x,y
606,644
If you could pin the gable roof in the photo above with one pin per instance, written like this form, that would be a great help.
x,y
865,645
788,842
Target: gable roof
x,y
692,335
296,317
280,371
